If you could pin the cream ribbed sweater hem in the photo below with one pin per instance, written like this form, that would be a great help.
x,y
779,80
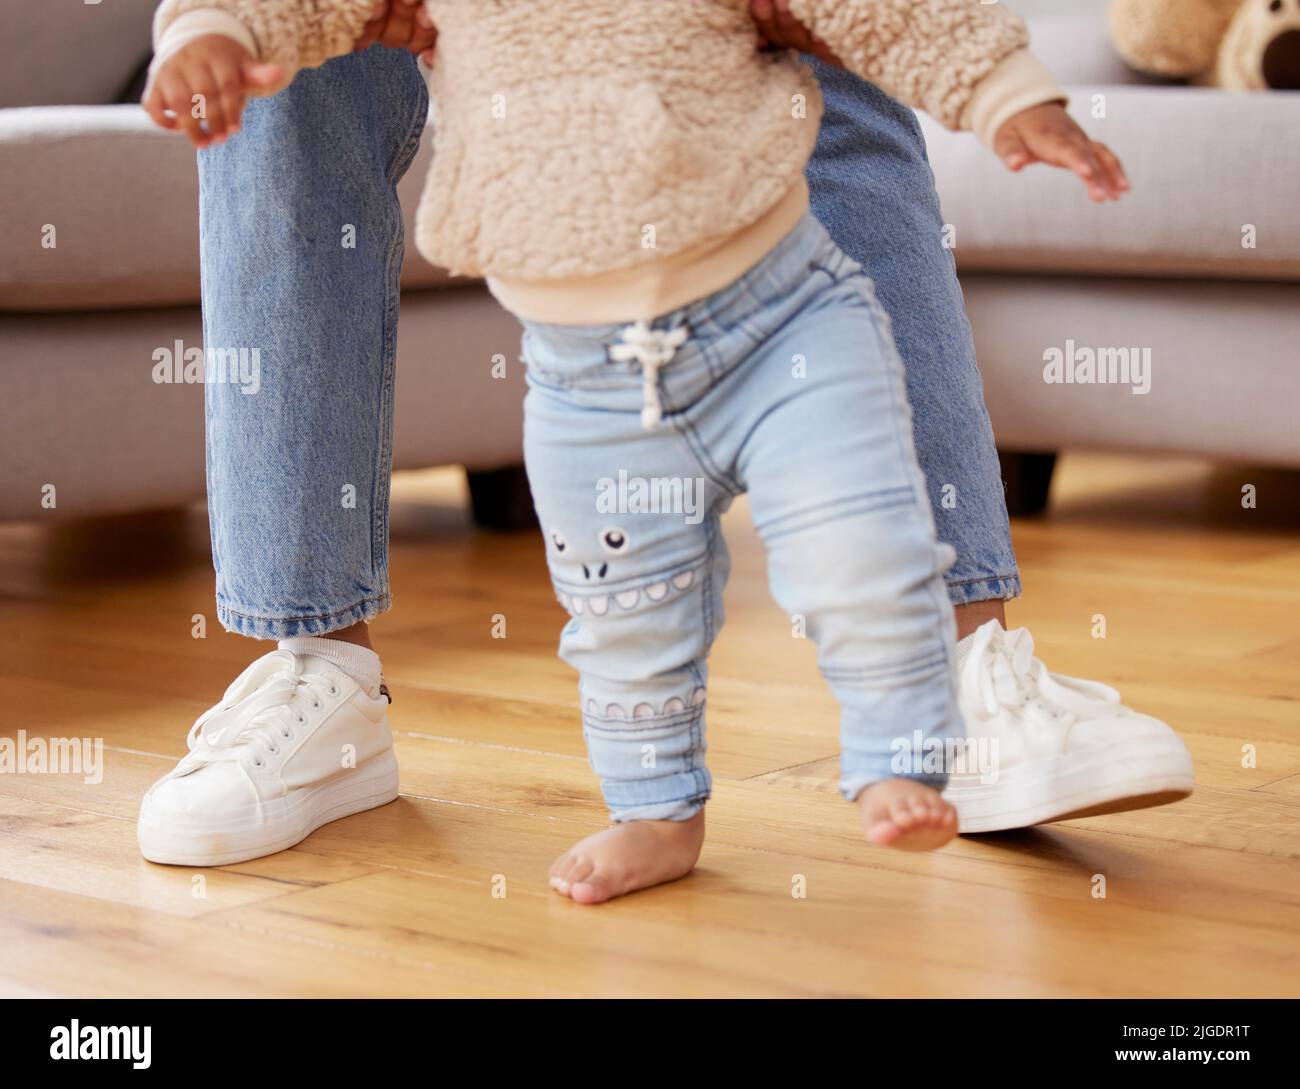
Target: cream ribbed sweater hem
x,y
1019,82
196,24
659,287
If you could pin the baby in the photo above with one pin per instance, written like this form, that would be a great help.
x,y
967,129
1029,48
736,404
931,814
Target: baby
x,y
635,194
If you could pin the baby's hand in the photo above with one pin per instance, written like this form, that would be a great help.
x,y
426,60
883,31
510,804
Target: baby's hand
x,y
1047,134
202,86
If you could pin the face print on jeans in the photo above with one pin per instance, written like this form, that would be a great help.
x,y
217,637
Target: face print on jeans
x,y
611,543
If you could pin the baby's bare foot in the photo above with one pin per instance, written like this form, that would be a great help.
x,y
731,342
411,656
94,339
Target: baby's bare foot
x,y
905,814
629,856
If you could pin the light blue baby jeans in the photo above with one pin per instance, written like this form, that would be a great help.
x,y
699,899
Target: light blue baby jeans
x,y
786,386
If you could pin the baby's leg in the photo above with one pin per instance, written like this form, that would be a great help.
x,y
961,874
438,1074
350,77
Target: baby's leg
x,y
840,502
644,594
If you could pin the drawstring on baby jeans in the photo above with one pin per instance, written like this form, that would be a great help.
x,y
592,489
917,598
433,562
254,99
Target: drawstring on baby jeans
x,y
652,348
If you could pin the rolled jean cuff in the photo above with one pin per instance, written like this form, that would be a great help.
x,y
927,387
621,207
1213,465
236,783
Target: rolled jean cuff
x,y
287,627
851,785
994,588
679,798
682,810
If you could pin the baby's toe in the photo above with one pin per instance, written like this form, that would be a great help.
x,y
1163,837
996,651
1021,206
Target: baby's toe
x,y
595,889
883,832
574,868
938,811
582,869
561,865
901,814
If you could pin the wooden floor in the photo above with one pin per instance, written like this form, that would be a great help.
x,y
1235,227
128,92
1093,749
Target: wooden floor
x,y
1200,599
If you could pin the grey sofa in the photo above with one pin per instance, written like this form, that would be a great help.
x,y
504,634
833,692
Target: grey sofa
x,y
79,322
1168,272
1165,272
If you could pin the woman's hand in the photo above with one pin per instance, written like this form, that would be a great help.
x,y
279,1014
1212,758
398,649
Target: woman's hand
x,y
781,30
400,24
1047,134
201,88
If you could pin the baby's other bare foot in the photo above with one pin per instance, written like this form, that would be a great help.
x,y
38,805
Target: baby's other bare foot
x,y
626,857
905,814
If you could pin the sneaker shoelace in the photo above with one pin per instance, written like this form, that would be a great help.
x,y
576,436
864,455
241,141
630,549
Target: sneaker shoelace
x,y
249,728
1002,671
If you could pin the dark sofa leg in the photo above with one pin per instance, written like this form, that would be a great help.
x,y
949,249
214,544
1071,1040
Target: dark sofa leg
x,y
1027,479
501,500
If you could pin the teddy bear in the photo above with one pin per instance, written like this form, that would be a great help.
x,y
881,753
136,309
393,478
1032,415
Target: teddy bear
x,y
1245,45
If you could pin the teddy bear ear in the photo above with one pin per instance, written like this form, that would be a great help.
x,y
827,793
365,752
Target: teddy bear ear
x,y
1171,38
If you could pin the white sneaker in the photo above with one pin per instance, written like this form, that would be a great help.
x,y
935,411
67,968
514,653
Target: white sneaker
x,y
295,743
1061,747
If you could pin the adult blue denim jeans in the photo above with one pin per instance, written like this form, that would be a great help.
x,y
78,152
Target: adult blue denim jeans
x,y
298,473
873,190
785,386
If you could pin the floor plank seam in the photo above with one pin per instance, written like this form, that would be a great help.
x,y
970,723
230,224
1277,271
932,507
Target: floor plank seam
x,y
398,685
782,770
493,745
337,947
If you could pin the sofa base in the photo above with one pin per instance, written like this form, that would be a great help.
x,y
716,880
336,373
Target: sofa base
x,y
501,499
1027,480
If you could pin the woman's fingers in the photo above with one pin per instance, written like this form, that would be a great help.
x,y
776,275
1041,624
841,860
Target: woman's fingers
x,y
778,27
824,52
369,35
792,31
373,28
426,35
400,25
763,13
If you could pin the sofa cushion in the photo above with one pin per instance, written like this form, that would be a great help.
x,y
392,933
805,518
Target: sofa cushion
x,y
1214,191
1078,49
125,442
122,198
77,53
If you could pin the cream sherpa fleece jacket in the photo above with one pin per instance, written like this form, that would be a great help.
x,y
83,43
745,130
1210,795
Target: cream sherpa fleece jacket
x,y
611,160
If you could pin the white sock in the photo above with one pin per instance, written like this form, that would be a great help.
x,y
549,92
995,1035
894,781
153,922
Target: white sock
x,y
359,663
964,645
963,649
